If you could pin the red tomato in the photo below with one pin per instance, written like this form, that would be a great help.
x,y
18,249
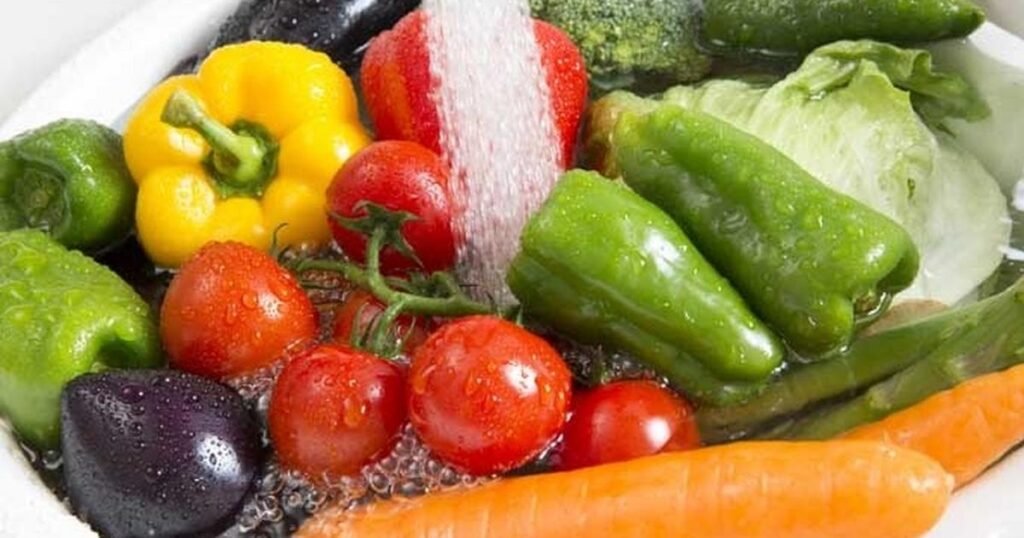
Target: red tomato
x,y
334,410
400,89
400,176
486,394
232,309
359,311
625,420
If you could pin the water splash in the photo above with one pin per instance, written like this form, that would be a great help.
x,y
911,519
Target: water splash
x,y
283,500
496,129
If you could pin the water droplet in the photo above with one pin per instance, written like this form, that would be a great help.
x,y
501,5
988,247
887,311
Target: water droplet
x,y
250,300
288,23
52,460
354,412
230,314
132,393
473,385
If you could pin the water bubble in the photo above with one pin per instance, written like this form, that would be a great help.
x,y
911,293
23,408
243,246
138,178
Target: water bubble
x,y
379,482
132,394
52,460
293,500
284,499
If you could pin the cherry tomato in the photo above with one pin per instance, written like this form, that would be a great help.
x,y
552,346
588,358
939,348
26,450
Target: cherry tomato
x,y
626,420
486,394
400,176
232,309
334,410
361,308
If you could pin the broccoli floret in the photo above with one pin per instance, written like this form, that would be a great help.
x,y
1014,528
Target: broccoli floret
x,y
641,44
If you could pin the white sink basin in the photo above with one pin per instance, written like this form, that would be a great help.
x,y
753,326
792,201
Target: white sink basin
x,y
107,77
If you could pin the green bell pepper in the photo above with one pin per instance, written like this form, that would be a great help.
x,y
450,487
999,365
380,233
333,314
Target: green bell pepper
x,y
794,27
61,315
70,179
813,263
603,265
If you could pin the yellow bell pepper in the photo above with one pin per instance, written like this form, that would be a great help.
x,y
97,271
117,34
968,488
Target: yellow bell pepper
x,y
248,144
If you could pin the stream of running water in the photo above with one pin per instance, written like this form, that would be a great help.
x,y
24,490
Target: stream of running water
x,y
496,129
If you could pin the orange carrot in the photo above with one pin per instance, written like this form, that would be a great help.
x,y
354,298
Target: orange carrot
x,y
965,429
833,489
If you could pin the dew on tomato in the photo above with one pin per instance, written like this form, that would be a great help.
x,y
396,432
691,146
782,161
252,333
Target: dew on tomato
x,y
334,410
232,310
399,176
486,394
625,420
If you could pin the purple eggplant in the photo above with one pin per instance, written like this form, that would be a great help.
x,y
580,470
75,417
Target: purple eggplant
x,y
157,452
340,28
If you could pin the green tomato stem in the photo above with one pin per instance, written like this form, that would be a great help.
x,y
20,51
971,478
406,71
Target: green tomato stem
x,y
455,305
380,341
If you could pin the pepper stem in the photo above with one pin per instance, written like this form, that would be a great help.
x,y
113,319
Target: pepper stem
x,y
238,159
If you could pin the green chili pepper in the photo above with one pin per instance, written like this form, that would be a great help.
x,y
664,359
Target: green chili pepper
x,y
68,178
794,27
61,315
812,262
601,264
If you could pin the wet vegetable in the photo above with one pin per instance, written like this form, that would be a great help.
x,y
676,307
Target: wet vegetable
x,y
487,395
334,410
792,27
398,176
990,347
933,353
247,145
885,98
812,263
156,453
340,28
749,490
63,315
69,179
357,317
232,310
631,44
625,420
966,428
603,265
399,88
